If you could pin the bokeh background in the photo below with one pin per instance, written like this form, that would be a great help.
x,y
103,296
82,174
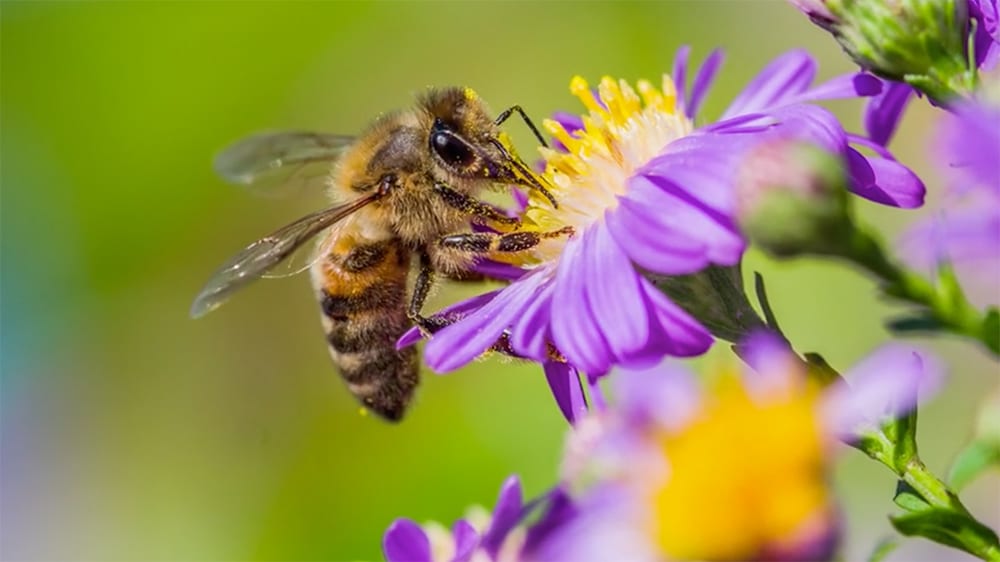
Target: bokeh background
x,y
132,432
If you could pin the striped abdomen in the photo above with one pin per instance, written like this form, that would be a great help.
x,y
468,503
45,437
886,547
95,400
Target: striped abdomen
x,y
362,292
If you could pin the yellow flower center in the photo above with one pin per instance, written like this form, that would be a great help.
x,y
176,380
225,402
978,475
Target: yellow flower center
x,y
622,130
743,476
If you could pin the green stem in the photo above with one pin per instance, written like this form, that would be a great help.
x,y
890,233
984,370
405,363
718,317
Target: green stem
x,y
946,304
877,444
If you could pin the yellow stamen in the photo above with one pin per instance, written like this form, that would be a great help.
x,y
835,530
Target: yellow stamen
x,y
579,88
623,128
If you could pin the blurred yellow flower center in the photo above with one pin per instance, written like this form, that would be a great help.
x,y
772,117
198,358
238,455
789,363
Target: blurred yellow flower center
x,y
743,477
622,131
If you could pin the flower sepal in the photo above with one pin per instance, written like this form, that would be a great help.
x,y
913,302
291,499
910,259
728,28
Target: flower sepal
x,y
715,297
918,42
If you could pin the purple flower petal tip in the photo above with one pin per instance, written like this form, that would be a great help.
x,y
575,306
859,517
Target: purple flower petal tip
x,y
466,540
409,337
506,516
665,395
891,381
564,381
405,541
867,85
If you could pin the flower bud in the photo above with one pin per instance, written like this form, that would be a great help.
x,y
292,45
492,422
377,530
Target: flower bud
x,y
919,42
792,199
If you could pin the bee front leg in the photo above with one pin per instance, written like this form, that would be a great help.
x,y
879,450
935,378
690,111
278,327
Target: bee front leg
x,y
473,206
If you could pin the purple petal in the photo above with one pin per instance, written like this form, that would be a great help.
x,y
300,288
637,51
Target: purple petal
x,y
969,144
812,124
679,73
987,38
673,331
559,511
883,112
700,163
457,310
845,86
664,395
651,247
530,333
459,343
499,270
564,381
960,235
506,515
703,80
967,238
575,331
884,181
466,540
782,79
776,368
613,293
889,382
677,198
405,541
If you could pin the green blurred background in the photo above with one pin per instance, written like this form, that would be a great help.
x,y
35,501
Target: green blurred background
x,y
133,432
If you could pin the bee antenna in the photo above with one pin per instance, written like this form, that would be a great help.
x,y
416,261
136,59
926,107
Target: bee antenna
x,y
524,116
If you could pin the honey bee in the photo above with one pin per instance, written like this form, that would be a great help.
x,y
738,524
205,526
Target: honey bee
x,y
407,191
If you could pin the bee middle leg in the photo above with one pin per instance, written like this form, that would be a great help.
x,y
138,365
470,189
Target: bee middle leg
x,y
481,243
421,288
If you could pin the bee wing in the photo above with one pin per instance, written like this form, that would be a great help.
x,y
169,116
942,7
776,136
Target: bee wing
x,y
280,163
261,256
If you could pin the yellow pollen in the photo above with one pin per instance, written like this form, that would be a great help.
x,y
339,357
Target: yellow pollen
x,y
747,474
622,129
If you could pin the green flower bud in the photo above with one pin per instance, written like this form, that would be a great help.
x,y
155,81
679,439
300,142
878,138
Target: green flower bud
x,y
792,199
920,42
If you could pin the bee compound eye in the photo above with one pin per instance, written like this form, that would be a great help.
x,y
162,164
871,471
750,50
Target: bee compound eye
x,y
452,150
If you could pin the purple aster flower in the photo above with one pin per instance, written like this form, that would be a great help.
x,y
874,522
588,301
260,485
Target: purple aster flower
x,y
737,470
646,191
481,537
965,231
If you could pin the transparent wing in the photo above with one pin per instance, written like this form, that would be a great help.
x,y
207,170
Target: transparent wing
x,y
258,258
281,163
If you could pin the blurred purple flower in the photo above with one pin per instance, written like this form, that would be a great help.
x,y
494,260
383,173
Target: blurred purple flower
x,y
738,470
490,540
644,189
965,232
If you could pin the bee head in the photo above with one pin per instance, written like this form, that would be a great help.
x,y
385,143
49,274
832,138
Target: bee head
x,y
463,140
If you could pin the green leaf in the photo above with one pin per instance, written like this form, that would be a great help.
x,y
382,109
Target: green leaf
x,y
883,549
918,323
974,459
908,498
820,370
951,529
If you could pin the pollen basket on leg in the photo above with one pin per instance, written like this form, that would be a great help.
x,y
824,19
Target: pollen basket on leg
x,y
623,129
